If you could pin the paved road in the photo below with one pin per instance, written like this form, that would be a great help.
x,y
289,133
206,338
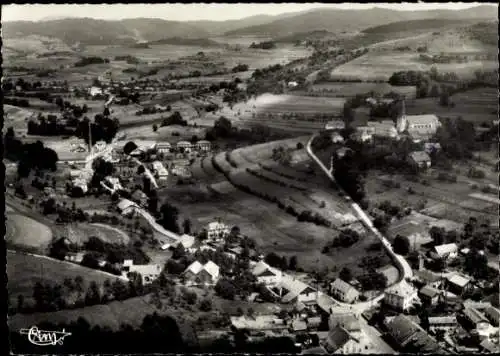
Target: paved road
x,y
364,218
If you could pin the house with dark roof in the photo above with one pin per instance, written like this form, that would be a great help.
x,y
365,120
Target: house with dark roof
x,y
344,319
445,323
476,319
492,314
344,291
458,283
340,341
429,295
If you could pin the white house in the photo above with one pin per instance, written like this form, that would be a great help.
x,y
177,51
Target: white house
x,y
266,274
401,296
445,323
148,273
419,159
95,91
187,241
160,171
197,273
335,125
417,126
446,251
343,291
217,230
385,128
292,84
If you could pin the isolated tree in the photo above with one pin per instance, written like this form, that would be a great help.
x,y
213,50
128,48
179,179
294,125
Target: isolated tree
x,y
292,263
93,295
129,147
345,274
401,245
155,127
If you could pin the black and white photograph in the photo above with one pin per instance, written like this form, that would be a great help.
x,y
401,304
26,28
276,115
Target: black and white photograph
x,y
251,178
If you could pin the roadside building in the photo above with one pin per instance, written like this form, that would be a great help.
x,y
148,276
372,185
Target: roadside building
x,y
345,319
419,160
446,323
401,296
344,291
493,315
428,278
476,319
458,284
197,273
446,251
385,128
429,295
266,274
148,273
298,325
313,323
74,257
140,197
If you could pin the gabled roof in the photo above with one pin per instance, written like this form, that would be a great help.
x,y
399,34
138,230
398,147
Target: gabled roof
x,y
125,203
419,156
492,311
294,287
212,269
402,289
145,269
422,119
342,286
445,249
489,346
474,315
427,276
299,325
459,280
429,291
346,320
194,267
337,338
402,328
262,269
438,320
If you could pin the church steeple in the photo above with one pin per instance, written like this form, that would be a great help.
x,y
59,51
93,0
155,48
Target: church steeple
x,y
401,122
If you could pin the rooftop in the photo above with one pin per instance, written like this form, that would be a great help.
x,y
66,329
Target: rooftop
x,y
420,156
459,280
445,249
337,338
437,320
474,315
401,289
342,286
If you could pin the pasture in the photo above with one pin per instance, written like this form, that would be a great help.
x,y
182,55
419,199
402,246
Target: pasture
x,y
380,66
24,270
26,232
477,106
347,90
82,232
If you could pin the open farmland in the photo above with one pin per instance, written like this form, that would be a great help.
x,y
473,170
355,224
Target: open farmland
x,y
346,90
477,105
380,66
26,232
82,232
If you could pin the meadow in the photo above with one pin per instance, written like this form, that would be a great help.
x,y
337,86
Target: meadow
x,y
26,232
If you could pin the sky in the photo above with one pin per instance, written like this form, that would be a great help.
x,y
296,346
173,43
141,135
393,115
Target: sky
x,y
188,12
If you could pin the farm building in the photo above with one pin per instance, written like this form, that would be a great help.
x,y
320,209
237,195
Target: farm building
x,y
346,320
406,334
95,91
363,133
148,273
266,274
258,322
419,159
400,296
207,274
344,291
74,257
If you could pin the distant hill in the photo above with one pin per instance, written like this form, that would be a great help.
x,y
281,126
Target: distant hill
x,y
485,32
99,32
428,24
179,41
305,36
335,20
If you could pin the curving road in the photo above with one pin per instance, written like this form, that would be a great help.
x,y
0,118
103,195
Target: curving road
x,y
403,265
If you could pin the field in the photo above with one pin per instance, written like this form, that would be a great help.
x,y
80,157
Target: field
x,y
380,66
24,231
272,228
23,271
477,105
351,89
81,233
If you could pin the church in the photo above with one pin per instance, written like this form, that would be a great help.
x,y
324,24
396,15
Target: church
x,y
418,127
